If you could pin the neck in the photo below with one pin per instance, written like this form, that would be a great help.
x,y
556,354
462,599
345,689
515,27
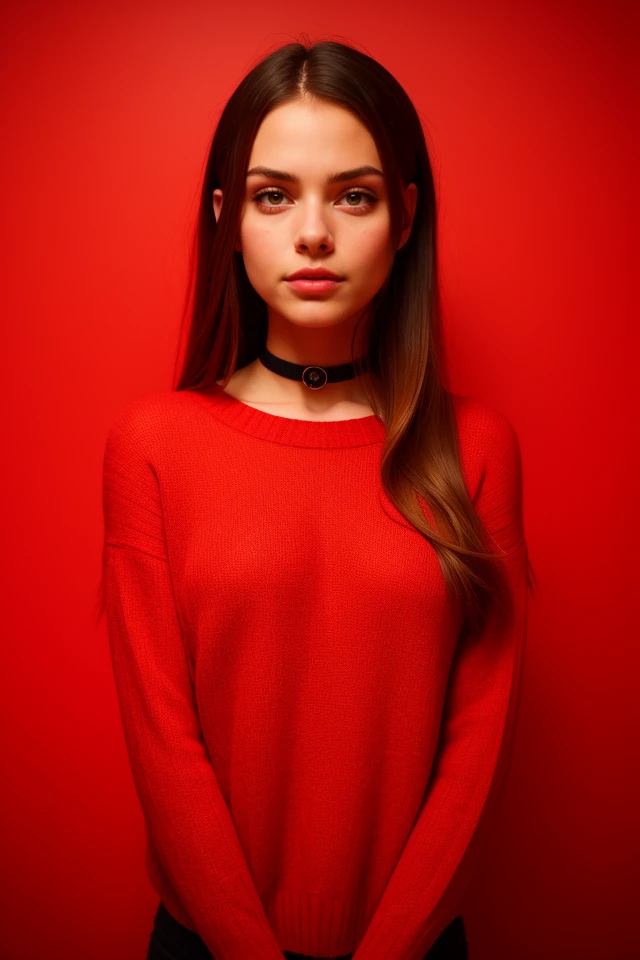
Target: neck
x,y
256,384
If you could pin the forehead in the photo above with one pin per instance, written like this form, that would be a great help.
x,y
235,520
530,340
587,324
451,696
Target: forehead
x,y
311,136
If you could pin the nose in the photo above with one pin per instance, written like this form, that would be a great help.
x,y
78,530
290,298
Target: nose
x,y
313,231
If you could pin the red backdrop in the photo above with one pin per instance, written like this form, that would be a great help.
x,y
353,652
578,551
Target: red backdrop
x,y
107,116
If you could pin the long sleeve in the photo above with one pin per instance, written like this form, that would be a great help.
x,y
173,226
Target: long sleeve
x,y
425,888
185,812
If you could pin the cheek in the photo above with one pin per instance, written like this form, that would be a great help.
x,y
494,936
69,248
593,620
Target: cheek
x,y
260,251
370,258
371,245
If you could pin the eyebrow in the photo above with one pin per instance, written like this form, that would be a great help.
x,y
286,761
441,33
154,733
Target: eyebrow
x,y
333,178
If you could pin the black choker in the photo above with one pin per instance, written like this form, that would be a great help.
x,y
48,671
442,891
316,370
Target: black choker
x,y
314,376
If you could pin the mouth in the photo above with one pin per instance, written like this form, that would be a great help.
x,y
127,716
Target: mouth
x,y
313,273
314,285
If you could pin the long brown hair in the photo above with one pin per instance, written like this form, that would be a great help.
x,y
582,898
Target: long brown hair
x,y
226,320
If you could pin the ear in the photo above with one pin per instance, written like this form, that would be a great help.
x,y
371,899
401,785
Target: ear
x,y
217,208
217,203
410,201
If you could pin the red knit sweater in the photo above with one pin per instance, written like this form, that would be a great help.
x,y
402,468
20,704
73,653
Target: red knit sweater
x,y
315,742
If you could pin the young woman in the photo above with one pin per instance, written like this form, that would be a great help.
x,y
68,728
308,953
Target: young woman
x,y
315,568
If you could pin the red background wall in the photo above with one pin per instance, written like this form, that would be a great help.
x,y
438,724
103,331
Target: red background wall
x,y
107,115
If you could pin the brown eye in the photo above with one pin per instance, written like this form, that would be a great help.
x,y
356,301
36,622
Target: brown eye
x,y
368,199
268,192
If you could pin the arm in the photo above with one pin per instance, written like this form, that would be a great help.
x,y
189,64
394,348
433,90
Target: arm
x,y
424,891
184,809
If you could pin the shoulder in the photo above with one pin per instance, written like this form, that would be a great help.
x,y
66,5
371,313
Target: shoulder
x,y
486,435
490,454
481,422
153,409
149,421
492,466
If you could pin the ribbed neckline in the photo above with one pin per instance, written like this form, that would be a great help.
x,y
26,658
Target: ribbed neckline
x,y
355,432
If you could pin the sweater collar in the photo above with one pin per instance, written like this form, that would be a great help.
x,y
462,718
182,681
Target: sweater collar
x,y
355,432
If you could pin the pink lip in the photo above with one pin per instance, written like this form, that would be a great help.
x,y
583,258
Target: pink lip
x,y
313,273
314,286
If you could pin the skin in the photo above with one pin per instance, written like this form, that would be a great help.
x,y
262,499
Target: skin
x,y
313,223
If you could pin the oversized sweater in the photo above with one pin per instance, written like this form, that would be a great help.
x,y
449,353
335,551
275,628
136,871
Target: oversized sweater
x,y
316,743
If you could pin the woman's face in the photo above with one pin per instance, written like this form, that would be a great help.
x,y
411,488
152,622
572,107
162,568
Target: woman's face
x,y
310,221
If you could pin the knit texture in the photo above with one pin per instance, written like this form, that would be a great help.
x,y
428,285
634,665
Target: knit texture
x,y
316,743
